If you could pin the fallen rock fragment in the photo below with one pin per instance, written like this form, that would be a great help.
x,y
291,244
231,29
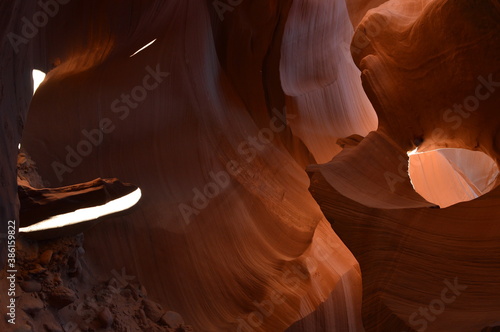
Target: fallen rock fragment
x,y
172,319
38,269
46,257
105,318
30,286
153,310
61,296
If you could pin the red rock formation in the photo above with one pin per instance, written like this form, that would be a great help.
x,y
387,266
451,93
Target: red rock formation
x,y
410,256
45,212
324,95
216,122
258,253
15,95
432,76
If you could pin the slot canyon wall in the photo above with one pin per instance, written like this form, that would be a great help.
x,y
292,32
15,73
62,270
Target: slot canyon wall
x,y
269,140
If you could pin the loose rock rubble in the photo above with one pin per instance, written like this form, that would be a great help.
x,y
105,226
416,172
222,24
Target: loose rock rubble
x,y
56,292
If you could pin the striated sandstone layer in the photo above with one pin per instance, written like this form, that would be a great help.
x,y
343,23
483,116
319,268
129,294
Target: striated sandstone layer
x,y
225,197
432,75
409,257
218,119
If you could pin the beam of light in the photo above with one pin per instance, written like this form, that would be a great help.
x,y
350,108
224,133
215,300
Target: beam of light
x,y
148,44
412,152
86,214
38,77
448,176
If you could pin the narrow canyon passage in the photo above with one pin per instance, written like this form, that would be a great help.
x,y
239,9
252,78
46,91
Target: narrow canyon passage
x,y
298,166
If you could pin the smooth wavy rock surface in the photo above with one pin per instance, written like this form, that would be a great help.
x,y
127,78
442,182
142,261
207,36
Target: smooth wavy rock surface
x,y
254,127
423,269
432,75
224,205
320,80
